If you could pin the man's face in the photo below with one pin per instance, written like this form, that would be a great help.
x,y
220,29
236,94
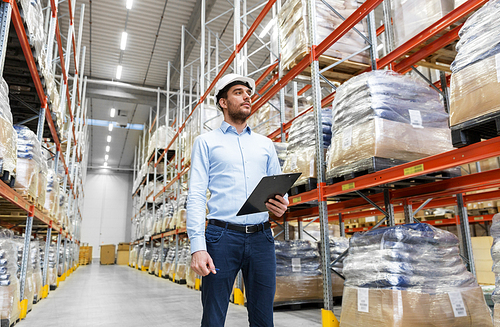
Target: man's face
x,y
238,104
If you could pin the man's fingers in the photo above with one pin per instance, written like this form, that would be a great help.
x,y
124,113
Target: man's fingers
x,y
211,265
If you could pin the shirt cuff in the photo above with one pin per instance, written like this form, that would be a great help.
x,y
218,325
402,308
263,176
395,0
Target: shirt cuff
x,y
198,244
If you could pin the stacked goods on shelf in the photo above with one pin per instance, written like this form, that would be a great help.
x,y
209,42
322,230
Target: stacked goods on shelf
x,y
8,136
155,258
337,246
33,17
267,119
180,213
85,256
133,257
409,275
29,153
168,214
160,139
52,271
183,263
169,262
191,277
298,272
52,193
281,151
41,193
9,283
495,255
158,219
149,223
475,80
164,257
147,254
37,270
413,16
29,288
481,249
62,216
294,34
301,145
382,119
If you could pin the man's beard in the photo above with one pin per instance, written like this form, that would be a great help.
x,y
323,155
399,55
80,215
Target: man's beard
x,y
238,116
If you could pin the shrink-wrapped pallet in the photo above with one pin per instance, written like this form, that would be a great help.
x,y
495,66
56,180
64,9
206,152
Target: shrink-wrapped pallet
x,y
37,270
29,158
409,275
413,16
52,192
385,115
169,262
298,272
294,34
33,17
52,272
9,283
476,69
29,289
154,260
495,255
210,120
337,247
267,118
160,139
8,136
41,193
183,263
301,145
168,211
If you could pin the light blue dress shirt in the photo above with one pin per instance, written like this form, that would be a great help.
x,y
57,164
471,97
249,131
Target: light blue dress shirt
x,y
230,165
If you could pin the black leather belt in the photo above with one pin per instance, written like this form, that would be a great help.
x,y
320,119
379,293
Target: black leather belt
x,y
249,229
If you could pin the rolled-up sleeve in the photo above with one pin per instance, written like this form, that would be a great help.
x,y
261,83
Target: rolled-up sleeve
x,y
197,198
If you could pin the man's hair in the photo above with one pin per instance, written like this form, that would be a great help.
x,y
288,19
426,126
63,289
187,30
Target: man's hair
x,y
223,93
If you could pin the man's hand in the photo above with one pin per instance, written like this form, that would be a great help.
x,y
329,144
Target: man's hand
x,y
202,264
279,207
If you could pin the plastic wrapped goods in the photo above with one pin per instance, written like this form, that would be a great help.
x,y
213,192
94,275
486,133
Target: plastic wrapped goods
x,y
301,144
52,192
478,37
337,246
29,156
37,270
8,136
183,263
495,255
298,272
474,91
29,290
387,115
5,111
160,139
33,17
410,275
42,183
9,283
294,34
413,16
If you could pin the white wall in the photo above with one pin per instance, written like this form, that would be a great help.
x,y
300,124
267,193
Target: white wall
x,y
107,208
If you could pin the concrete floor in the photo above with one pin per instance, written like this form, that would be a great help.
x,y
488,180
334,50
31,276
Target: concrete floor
x,y
96,295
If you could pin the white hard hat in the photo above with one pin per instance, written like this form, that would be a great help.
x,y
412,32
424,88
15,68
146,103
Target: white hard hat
x,y
230,78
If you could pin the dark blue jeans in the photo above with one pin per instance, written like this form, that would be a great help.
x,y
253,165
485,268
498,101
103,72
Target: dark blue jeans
x,y
254,255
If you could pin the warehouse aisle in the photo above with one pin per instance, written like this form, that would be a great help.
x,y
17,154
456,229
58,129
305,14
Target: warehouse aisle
x,y
111,296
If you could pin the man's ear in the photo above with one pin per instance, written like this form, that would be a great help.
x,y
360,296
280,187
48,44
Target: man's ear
x,y
223,103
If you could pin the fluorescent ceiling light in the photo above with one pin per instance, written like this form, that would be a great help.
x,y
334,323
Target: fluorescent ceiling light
x,y
123,44
112,112
110,127
119,72
129,4
267,28
109,138
106,157
107,148
105,164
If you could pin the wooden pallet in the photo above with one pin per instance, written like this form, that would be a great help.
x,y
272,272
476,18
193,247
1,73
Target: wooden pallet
x,y
306,186
180,281
299,305
482,211
472,131
436,217
352,225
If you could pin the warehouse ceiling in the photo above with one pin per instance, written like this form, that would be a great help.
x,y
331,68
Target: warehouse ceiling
x,y
154,39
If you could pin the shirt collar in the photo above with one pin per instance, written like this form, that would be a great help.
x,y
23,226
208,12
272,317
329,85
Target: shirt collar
x,y
225,127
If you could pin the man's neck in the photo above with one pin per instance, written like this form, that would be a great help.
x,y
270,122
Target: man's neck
x,y
239,126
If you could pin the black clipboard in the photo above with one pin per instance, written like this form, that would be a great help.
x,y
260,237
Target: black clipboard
x,y
268,188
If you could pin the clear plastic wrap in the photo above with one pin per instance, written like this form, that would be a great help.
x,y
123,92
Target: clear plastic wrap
x,y
301,145
478,37
52,192
41,193
154,260
405,269
5,111
9,283
37,270
387,115
8,146
474,90
294,35
413,16
168,212
33,17
160,138
298,272
29,290
281,151
183,262
495,255
29,159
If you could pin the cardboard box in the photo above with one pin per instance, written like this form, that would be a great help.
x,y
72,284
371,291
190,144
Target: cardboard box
x,y
481,249
122,257
393,308
474,91
107,254
123,247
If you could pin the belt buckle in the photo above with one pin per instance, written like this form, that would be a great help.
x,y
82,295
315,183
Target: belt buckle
x,y
247,229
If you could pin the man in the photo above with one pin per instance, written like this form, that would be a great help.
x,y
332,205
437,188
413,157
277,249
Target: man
x,y
230,162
